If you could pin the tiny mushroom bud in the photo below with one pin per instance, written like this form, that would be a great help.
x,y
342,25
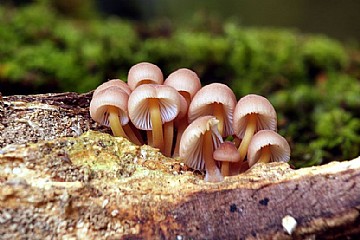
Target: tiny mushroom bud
x,y
218,100
252,113
144,73
152,105
197,145
226,153
289,224
268,146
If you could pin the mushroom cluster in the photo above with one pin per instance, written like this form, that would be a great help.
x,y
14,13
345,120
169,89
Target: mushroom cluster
x,y
181,118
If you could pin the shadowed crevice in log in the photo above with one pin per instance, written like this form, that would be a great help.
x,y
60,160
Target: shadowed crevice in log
x,y
242,213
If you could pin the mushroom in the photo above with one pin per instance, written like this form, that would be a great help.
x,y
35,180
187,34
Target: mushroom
x,y
187,83
214,99
226,153
114,82
252,113
152,105
268,146
144,73
197,145
129,128
109,107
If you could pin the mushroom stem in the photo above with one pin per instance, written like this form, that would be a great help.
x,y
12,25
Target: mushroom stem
x,y
149,137
132,136
265,155
115,123
249,133
168,137
212,171
218,112
155,117
181,126
225,169
137,133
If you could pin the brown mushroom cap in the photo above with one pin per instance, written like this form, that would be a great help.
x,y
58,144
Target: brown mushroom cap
x,y
144,72
202,104
227,152
169,102
184,81
116,83
192,141
254,104
110,96
279,147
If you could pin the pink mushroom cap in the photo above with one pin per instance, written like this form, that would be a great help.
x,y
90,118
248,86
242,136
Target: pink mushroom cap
x,y
227,152
110,96
258,105
279,147
144,72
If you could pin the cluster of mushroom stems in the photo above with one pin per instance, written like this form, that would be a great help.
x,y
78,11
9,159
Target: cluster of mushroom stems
x,y
183,119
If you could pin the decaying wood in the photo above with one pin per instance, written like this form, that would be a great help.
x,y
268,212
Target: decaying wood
x,y
63,176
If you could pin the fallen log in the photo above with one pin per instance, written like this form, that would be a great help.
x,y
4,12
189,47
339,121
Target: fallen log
x,y
64,176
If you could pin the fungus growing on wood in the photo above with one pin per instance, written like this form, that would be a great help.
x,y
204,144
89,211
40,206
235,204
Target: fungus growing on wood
x,y
144,73
252,113
268,146
226,153
152,105
109,107
215,99
197,145
187,83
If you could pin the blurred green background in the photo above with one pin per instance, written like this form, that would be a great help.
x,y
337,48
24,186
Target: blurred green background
x,y
303,55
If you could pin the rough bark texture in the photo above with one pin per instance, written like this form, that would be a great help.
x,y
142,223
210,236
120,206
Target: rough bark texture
x,y
63,176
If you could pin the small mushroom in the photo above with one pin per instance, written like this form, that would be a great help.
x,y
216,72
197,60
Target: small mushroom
x,y
109,107
268,146
144,73
197,145
152,105
252,113
215,99
129,129
187,83
226,153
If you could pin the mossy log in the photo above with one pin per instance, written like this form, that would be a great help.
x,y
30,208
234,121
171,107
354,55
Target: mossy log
x,y
63,176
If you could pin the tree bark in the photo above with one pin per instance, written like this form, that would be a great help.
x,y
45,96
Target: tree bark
x,y
64,176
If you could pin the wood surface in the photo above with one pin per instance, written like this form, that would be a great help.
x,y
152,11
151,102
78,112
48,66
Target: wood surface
x,y
62,176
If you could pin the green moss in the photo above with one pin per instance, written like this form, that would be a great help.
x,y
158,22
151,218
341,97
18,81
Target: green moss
x,y
342,90
338,134
322,121
324,54
38,45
